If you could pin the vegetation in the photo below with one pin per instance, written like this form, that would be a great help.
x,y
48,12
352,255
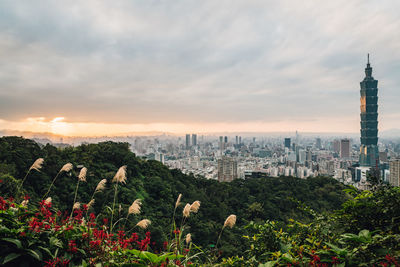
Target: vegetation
x,y
133,214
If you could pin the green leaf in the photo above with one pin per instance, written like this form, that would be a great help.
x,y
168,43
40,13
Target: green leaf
x,y
14,241
55,242
10,257
35,253
47,250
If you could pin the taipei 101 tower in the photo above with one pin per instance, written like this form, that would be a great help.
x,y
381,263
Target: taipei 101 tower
x,y
369,154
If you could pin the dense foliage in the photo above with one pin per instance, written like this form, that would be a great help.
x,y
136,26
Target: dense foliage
x,y
281,220
158,187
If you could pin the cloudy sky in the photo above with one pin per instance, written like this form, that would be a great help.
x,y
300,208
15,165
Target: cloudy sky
x,y
104,67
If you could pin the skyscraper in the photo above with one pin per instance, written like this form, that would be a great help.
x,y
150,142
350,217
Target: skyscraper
x,y
187,141
194,139
369,154
318,143
287,143
345,148
394,172
227,169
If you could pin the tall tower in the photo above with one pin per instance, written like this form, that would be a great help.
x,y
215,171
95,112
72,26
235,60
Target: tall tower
x,y
369,154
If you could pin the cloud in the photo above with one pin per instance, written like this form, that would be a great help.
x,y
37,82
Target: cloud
x,y
194,62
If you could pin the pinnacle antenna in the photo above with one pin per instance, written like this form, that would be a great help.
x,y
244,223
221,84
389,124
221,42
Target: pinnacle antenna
x,y
368,58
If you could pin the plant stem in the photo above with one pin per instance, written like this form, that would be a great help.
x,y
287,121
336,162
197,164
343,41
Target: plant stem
x,y
112,212
219,237
73,203
89,201
51,185
23,180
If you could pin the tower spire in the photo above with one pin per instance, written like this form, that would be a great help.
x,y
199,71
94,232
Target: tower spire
x,y
368,69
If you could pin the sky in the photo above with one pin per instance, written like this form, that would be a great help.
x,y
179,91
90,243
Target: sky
x,y
105,67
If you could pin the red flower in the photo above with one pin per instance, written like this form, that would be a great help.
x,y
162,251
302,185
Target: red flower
x,y
3,204
72,246
335,260
22,234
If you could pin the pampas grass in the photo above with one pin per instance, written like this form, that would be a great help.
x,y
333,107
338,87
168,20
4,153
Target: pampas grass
x,y
135,207
47,201
119,177
90,204
82,174
195,206
25,203
101,186
76,206
144,223
229,222
178,201
66,168
81,178
188,238
186,210
37,165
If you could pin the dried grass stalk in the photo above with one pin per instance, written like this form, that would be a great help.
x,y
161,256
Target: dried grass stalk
x,y
25,203
101,185
67,167
186,210
76,206
144,223
230,221
90,204
135,207
120,176
195,206
82,174
188,238
178,201
47,201
37,165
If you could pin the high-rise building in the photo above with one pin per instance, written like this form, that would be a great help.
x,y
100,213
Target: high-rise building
x,y
227,169
287,143
221,144
187,141
345,148
226,139
302,156
318,143
369,154
194,139
394,167
237,140
336,146
240,139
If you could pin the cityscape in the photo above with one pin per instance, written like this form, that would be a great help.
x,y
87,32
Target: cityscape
x,y
200,133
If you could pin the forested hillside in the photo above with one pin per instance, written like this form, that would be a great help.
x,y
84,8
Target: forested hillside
x,y
158,187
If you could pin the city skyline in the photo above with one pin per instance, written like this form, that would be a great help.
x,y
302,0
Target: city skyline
x,y
100,68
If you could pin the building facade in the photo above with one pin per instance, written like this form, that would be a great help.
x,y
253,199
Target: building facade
x,y
287,143
345,148
394,177
187,141
227,169
369,154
